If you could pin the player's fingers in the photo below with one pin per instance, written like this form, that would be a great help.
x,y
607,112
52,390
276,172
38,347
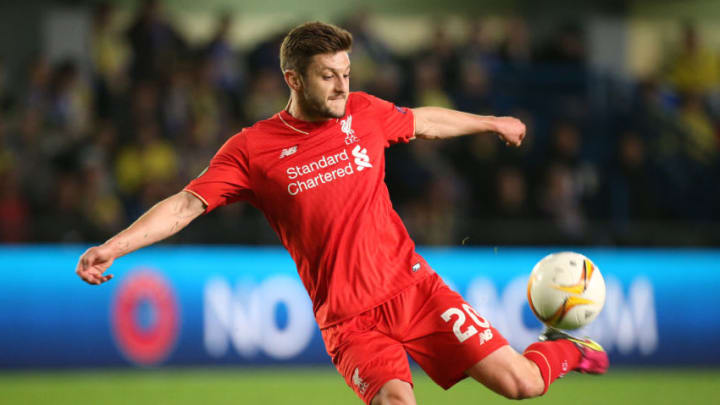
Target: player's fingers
x,y
90,279
81,272
519,139
97,277
86,260
92,276
81,266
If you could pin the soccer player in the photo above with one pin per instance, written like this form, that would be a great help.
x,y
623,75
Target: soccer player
x,y
316,171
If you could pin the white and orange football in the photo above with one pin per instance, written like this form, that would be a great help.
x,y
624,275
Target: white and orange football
x,y
566,290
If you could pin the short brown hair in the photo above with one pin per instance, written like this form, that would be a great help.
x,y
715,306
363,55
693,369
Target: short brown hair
x,y
310,39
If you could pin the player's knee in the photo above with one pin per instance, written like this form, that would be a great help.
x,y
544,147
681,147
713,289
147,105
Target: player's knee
x,y
393,398
522,381
395,392
510,375
522,387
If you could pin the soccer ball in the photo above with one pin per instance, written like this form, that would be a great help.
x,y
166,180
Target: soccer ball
x,y
566,290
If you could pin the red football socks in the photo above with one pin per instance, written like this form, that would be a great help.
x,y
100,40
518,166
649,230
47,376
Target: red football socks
x,y
554,358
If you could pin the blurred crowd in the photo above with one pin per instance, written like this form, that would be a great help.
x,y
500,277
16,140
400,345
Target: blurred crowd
x,y
84,150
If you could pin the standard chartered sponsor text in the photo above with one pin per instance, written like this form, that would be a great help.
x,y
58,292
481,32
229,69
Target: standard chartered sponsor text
x,y
324,162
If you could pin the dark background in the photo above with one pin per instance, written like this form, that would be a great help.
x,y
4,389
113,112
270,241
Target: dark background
x,y
106,108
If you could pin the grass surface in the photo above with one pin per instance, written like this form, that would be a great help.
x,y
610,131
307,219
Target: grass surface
x,y
320,386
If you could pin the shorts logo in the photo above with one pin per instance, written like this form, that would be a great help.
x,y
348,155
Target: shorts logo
x,y
345,127
359,382
362,160
485,336
288,151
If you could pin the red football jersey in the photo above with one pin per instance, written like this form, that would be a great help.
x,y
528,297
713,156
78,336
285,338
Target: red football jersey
x,y
321,186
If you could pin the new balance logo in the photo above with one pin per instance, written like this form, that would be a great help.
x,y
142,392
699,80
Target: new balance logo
x,y
362,160
346,128
288,151
359,382
485,336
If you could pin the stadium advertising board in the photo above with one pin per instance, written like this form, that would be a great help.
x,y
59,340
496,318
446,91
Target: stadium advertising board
x,y
240,305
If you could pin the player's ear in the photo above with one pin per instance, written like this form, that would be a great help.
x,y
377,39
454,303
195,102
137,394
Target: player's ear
x,y
293,79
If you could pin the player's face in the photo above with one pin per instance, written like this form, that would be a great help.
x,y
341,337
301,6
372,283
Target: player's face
x,y
326,86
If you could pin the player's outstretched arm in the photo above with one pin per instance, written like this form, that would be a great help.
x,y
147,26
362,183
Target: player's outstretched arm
x,y
439,123
164,219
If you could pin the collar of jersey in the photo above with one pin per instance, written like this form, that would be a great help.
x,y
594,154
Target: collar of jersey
x,y
300,126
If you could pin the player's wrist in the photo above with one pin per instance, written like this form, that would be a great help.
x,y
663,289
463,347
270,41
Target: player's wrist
x,y
491,124
113,248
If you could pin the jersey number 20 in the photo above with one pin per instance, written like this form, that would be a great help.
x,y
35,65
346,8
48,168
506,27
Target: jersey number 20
x,y
460,321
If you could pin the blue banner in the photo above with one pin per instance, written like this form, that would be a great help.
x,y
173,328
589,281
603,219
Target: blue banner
x,y
183,305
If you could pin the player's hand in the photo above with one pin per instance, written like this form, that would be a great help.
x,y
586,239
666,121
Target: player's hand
x,y
510,130
92,265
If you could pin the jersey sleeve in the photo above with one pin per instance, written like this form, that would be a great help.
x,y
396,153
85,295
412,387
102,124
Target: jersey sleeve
x,y
226,179
397,122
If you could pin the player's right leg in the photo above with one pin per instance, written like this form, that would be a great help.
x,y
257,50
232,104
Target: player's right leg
x,y
530,374
450,340
509,374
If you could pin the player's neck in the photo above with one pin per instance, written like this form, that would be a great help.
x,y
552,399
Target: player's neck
x,y
295,109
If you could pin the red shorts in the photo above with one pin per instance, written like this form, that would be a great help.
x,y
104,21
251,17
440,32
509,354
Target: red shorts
x,y
428,321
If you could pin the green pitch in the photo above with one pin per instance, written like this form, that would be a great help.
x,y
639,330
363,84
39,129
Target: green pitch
x,y
320,386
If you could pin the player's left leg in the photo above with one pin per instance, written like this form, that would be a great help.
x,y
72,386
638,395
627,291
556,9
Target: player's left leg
x,y
394,392
374,365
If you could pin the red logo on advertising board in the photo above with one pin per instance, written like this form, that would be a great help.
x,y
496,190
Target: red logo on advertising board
x,y
144,317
